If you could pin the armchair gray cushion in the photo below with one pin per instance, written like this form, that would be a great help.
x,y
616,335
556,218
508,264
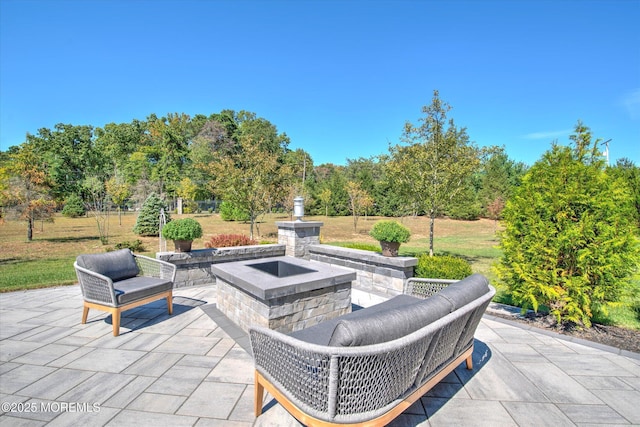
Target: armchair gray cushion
x,y
133,289
116,265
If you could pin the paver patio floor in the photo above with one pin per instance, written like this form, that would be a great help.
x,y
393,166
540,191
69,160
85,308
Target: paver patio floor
x,y
192,369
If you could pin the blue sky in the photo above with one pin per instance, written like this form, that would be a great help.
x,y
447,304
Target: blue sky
x,y
339,77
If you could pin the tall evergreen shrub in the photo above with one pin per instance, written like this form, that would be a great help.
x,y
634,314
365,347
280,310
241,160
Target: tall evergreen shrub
x,y
73,206
570,243
148,222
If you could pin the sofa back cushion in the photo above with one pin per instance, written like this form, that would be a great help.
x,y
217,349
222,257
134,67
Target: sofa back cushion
x,y
387,325
464,291
117,265
377,327
321,333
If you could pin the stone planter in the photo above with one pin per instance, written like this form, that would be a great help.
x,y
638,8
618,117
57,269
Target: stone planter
x,y
390,248
183,245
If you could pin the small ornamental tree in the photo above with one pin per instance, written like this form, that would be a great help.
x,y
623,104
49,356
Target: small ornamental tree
x,y
432,170
148,222
570,243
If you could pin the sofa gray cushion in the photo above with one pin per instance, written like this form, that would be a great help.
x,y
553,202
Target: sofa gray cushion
x,y
136,288
116,265
321,334
388,325
464,291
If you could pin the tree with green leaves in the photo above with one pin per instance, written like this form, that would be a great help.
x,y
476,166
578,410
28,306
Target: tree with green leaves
x,y
119,191
325,198
247,179
28,190
332,178
4,184
167,149
499,176
630,173
187,190
570,242
246,162
359,201
118,141
97,203
69,155
434,167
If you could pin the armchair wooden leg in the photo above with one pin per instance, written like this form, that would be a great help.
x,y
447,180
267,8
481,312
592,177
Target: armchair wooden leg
x,y
470,362
258,395
115,319
85,313
170,302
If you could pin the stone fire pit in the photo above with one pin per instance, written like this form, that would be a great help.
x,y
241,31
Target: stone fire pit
x,y
282,293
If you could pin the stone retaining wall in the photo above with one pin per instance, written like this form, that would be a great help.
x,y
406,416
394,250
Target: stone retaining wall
x,y
194,268
375,273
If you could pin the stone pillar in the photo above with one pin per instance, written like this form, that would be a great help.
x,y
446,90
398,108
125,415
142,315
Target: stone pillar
x,y
297,236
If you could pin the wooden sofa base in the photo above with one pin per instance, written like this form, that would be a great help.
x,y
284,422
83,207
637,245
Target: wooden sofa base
x,y
262,384
115,311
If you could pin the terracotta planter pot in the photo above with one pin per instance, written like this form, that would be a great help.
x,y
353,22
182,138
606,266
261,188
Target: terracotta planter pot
x,y
390,248
183,245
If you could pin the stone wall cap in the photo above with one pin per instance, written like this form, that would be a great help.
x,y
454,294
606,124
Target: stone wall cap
x,y
214,252
363,255
299,224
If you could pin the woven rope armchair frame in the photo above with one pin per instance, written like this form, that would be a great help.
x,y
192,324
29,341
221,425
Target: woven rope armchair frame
x,y
154,281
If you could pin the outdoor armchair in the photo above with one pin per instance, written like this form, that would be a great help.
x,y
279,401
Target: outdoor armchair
x,y
120,280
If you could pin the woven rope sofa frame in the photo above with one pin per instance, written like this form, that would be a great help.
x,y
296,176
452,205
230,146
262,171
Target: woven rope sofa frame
x,y
140,281
368,385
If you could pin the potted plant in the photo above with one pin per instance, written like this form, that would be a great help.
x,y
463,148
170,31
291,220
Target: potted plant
x,y
390,234
182,232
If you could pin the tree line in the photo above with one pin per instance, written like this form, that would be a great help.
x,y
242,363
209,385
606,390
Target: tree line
x,y
245,161
571,221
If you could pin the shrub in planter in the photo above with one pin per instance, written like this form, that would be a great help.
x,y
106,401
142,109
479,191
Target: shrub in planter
x,y
390,231
442,267
390,234
182,230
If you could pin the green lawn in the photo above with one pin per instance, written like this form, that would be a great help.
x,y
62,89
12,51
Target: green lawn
x,y
25,274
48,259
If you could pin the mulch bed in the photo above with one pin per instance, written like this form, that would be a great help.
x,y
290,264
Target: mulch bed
x,y
614,336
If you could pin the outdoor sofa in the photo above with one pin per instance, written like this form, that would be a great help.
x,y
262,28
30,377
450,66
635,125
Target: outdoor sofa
x,y
369,366
120,280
